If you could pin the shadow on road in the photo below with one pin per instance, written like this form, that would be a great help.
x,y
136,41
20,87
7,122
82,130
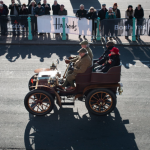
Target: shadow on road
x,y
128,53
65,129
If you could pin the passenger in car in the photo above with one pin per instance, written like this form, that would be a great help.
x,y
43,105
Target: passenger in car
x,y
113,59
85,45
80,66
110,44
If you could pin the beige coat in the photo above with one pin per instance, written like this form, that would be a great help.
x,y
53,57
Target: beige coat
x,y
80,66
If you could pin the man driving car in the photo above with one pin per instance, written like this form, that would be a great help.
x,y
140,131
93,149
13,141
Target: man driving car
x,y
85,45
80,66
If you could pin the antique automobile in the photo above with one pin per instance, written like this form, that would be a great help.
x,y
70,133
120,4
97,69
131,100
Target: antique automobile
x,y
99,90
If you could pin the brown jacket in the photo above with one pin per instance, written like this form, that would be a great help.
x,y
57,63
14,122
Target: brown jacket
x,y
82,64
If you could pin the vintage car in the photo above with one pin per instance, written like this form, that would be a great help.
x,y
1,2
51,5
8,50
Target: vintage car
x,y
99,90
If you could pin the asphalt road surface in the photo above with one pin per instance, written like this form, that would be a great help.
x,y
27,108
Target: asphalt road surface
x,y
73,128
71,5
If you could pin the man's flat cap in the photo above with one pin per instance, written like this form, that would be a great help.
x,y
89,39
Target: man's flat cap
x,y
82,50
84,43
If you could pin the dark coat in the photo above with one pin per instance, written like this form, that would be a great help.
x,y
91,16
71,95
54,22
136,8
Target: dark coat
x,y
3,12
24,12
139,14
39,11
104,56
47,9
61,13
102,14
55,9
91,15
6,9
115,61
30,7
117,13
81,13
12,9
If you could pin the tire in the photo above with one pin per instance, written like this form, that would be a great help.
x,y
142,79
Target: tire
x,y
101,101
39,102
30,84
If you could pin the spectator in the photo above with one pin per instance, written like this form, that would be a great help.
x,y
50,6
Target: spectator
x,y
47,7
129,14
14,8
23,10
2,10
92,14
139,14
110,14
62,10
55,8
29,1
32,7
39,10
116,10
102,12
5,7
81,13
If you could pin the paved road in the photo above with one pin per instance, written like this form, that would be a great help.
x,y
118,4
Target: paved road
x,y
74,4
72,128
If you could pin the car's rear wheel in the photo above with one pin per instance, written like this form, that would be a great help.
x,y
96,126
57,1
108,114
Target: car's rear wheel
x,y
39,102
100,101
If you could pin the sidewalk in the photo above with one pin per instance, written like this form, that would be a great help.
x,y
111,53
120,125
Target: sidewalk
x,y
51,39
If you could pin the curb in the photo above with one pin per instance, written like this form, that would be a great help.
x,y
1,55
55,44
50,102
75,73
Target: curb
x,y
77,44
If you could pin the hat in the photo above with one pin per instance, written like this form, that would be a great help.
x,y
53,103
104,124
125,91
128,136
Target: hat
x,y
115,4
110,8
130,6
115,50
103,4
84,43
82,50
111,43
39,3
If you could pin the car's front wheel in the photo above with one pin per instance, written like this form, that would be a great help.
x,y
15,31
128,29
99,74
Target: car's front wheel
x,y
39,102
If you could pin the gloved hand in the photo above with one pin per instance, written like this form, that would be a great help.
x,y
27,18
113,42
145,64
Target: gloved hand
x,y
70,57
71,68
67,61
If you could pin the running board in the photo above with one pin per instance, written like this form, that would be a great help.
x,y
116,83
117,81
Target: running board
x,y
67,103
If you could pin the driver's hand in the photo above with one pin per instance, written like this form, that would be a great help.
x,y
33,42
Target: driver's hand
x,y
67,61
70,57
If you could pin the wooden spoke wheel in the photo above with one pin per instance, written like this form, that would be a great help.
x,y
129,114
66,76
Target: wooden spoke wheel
x,y
31,84
101,101
39,102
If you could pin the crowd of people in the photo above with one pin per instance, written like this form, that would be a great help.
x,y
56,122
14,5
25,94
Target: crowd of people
x,y
37,9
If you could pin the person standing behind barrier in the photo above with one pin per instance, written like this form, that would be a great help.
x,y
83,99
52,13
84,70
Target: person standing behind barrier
x,y
139,14
55,8
81,13
23,10
39,10
116,10
14,8
2,10
47,7
129,14
110,15
5,7
102,12
92,15
62,10
31,7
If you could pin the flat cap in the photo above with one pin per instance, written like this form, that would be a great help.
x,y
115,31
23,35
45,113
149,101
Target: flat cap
x,y
84,43
82,50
